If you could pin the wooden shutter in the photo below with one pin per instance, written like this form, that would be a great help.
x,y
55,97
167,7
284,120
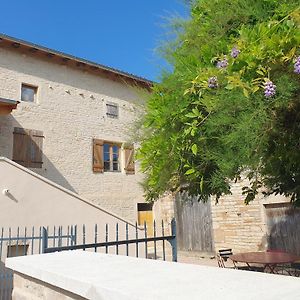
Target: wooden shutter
x,y
20,146
98,164
129,159
36,149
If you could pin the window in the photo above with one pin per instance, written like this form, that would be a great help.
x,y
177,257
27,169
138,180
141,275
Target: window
x,y
107,157
112,110
28,93
17,250
27,147
111,153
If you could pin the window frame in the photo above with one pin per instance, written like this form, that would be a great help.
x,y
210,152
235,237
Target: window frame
x,y
111,115
29,86
111,153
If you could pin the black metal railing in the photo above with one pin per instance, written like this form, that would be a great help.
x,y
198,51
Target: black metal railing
x,y
146,240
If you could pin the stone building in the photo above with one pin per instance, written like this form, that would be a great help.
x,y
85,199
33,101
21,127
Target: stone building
x,y
70,121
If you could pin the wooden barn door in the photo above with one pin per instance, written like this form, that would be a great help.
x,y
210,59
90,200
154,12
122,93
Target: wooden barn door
x,y
194,224
283,223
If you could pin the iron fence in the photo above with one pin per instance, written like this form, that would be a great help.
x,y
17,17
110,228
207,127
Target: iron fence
x,y
125,242
148,241
23,241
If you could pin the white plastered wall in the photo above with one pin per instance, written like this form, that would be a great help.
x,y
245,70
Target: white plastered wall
x,y
33,201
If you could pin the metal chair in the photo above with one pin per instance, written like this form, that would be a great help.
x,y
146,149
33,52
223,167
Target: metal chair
x,y
284,268
222,257
296,268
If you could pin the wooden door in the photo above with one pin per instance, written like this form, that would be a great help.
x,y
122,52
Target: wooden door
x,y
145,215
283,221
194,224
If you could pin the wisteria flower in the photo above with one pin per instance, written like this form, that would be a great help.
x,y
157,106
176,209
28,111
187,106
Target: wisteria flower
x,y
223,63
269,89
235,52
297,65
212,82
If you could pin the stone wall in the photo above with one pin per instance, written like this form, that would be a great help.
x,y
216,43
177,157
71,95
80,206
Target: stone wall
x,y
71,111
26,287
108,277
164,210
239,226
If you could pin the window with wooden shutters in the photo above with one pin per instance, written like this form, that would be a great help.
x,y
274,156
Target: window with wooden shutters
x,y
106,156
28,147
129,159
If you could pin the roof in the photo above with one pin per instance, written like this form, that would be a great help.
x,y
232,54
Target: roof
x,y
5,101
81,63
7,105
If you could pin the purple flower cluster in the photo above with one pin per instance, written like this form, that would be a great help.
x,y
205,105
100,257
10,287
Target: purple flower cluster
x,y
269,89
297,65
222,64
235,52
212,82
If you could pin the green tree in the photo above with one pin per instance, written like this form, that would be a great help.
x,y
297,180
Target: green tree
x,y
231,104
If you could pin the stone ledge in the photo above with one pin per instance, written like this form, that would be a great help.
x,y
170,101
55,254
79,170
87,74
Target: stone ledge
x,y
26,287
100,276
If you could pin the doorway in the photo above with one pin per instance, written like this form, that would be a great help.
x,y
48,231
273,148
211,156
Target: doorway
x,y
145,216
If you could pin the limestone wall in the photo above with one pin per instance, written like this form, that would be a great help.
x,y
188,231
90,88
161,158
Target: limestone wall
x,y
26,287
239,226
164,210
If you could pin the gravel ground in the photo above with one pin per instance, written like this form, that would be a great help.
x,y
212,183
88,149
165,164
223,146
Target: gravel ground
x,y
199,258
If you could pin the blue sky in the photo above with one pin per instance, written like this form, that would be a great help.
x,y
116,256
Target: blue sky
x,y
121,34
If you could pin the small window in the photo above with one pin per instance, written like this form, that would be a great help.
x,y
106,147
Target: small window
x,y
28,93
111,154
28,147
112,110
17,250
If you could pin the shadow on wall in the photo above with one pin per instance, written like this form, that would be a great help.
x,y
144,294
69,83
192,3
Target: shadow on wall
x,y
283,223
48,170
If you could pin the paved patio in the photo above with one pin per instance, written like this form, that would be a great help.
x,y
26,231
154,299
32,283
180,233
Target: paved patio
x,y
199,258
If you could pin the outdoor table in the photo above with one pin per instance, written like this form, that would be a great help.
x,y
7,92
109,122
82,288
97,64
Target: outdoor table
x,y
269,260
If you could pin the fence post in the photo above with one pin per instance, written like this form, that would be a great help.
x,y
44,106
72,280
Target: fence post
x,y
174,240
44,240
